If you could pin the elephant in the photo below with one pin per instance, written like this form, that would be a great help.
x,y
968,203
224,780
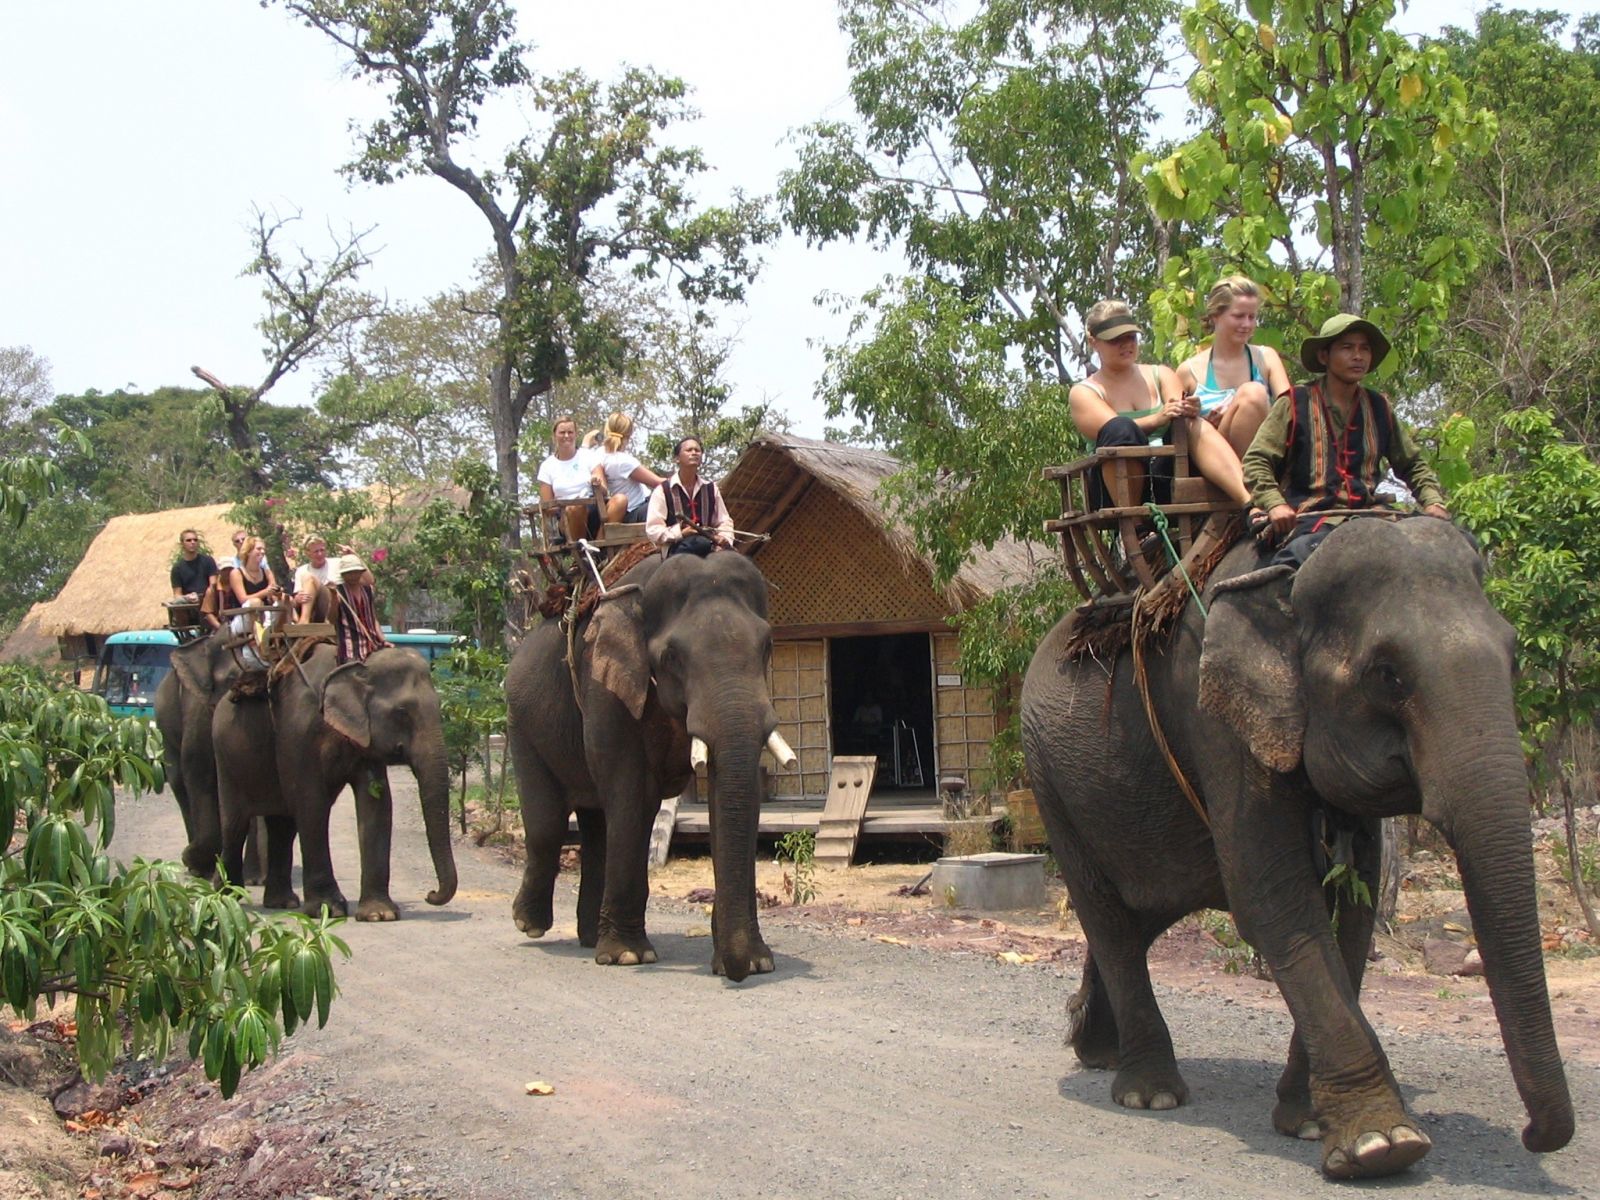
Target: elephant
x,y
321,727
1302,708
202,671
671,673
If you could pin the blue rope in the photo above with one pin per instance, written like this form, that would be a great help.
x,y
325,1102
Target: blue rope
x,y
1160,520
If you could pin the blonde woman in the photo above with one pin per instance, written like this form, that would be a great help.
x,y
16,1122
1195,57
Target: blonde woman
x,y
252,585
564,475
1234,382
626,482
1127,404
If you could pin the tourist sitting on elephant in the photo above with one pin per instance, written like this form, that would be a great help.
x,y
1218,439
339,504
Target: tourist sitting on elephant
x,y
1234,382
1124,404
565,475
1328,444
686,514
624,481
357,633
310,577
253,586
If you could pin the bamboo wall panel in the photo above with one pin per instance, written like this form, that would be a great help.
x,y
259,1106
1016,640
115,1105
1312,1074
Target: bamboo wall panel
x,y
829,565
965,720
799,684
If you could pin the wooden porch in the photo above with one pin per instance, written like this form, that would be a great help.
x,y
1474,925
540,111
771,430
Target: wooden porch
x,y
891,816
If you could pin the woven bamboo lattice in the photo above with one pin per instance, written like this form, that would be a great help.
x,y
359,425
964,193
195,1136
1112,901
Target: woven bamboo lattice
x,y
798,679
830,566
965,721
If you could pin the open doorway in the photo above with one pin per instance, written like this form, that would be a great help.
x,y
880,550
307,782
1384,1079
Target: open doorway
x,y
882,704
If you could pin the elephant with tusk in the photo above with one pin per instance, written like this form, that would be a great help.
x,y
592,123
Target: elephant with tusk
x,y
672,676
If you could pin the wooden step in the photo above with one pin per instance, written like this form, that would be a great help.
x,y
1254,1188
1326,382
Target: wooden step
x,y
849,784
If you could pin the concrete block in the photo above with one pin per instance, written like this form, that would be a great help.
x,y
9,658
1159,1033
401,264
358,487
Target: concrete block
x,y
993,881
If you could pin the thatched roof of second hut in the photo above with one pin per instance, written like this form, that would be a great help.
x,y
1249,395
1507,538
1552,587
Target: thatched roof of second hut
x,y
123,576
775,471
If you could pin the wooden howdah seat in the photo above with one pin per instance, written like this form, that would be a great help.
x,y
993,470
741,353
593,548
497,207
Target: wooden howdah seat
x,y
1112,552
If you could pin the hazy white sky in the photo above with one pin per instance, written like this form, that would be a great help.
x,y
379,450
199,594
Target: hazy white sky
x,y
137,137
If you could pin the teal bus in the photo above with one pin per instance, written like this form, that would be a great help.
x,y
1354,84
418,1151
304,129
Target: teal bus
x,y
130,667
429,643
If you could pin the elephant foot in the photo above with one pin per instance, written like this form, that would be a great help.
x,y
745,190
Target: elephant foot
x,y
759,962
254,877
380,908
613,950
1373,1153
534,916
336,905
272,899
1093,1037
1295,1118
1157,1089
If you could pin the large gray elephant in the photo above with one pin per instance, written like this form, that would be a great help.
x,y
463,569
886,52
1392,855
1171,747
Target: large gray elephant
x,y
672,668
323,728
185,700
1305,707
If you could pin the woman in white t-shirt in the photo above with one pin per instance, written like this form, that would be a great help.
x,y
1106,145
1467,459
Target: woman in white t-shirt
x,y
627,483
564,475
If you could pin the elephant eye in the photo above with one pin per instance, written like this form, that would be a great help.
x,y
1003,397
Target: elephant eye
x,y
1388,680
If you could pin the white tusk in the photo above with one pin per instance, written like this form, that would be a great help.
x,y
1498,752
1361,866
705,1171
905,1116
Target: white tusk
x,y
698,753
780,750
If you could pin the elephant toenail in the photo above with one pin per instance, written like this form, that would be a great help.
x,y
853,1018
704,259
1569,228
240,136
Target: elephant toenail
x,y
627,959
1371,1148
648,956
1336,1165
1309,1131
1163,1101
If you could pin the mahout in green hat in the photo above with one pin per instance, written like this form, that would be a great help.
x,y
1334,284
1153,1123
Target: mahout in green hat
x,y
1331,330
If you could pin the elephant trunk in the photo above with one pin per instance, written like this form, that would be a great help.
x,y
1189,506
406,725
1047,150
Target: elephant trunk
x,y
736,742
433,785
1479,802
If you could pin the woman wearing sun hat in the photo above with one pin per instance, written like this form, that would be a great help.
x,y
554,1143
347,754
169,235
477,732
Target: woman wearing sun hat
x,y
1126,404
1331,442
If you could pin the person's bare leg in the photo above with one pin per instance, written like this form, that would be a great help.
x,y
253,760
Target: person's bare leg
x,y
1217,461
577,519
1244,416
616,509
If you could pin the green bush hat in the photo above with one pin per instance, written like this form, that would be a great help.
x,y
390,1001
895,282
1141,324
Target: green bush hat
x,y
1331,329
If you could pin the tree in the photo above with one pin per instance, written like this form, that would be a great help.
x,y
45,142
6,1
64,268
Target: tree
x,y
1325,135
142,945
591,189
24,388
995,152
410,388
1522,333
1539,523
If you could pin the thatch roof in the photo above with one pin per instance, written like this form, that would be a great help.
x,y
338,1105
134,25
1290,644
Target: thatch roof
x,y
27,643
123,577
775,471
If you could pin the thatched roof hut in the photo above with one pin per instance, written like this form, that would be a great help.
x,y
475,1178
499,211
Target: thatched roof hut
x,y
865,654
123,576
27,643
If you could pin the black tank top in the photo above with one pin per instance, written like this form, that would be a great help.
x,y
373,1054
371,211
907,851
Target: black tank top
x,y
250,589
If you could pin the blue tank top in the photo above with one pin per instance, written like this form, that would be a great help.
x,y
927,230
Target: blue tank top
x,y
1212,397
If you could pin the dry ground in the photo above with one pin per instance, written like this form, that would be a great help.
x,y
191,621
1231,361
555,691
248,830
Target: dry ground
x,y
283,1136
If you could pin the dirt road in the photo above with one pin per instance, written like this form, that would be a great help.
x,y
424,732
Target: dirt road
x,y
858,1069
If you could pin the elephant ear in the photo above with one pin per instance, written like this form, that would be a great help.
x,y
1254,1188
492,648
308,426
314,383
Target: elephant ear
x,y
1250,667
192,665
346,695
619,659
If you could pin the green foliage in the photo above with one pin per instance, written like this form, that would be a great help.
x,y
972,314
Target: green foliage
x,y
1321,126
590,191
472,702
142,946
1522,334
1539,523
1238,956
457,553
798,848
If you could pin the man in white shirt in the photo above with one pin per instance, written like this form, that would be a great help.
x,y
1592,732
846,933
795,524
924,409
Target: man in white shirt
x,y
311,577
